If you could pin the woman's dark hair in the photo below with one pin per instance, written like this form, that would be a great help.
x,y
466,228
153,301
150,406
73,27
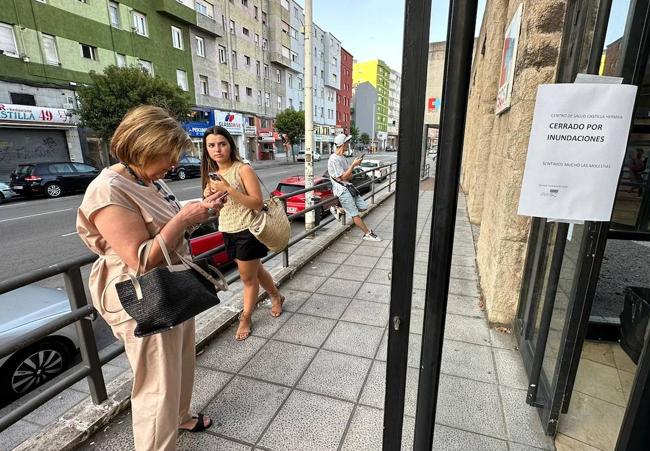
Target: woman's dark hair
x,y
208,164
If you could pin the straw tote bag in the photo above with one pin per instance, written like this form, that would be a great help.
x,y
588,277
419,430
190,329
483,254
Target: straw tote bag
x,y
168,295
271,225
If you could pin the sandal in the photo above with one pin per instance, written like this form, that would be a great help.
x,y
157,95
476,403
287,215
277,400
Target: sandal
x,y
276,314
241,336
200,424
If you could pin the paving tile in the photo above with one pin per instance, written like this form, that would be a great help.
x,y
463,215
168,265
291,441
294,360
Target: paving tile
x,y
510,369
244,408
601,352
381,276
417,299
352,273
375,387
346,248
374,292
204,441
419,281
468,360
365,431
385,240
265,325
56,407
293,428
337,375
362,260
471,405
325,305
600,381
523,420
417,321
464,251
459,260
227,354
319,268
17,433
293,299
465,328
367,312
370,251
623,361
355,339
207,383
332,257
415,350
452,439
305,282
305,330
383,348
279,362
519,447
340,287
463,287
117,437
564,443
502,340
464,272
463,305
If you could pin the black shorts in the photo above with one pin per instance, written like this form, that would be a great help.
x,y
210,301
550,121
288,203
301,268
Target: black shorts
x,y
244,246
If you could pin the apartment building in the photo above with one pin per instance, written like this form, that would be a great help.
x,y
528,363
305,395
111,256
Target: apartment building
x,y
344,94
377,73
394,95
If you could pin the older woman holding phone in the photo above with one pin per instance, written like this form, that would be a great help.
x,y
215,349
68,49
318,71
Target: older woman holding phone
x,y
123,211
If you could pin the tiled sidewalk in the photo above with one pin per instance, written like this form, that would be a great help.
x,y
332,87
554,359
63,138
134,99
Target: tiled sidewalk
x,y
314,378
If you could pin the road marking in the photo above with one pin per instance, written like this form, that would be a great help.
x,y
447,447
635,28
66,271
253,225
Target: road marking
x,y
37,214
69,234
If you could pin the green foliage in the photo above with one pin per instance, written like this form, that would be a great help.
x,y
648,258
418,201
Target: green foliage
x,y
103,104
365,138
292,124
354,132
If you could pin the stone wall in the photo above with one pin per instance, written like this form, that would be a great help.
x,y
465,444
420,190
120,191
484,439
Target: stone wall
x,y
496,146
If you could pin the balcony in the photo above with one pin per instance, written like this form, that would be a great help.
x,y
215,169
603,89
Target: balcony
x,y
210,25
176,10
278,58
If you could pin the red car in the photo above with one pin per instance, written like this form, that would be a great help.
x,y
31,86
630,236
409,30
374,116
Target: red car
x,y
206,238
296,203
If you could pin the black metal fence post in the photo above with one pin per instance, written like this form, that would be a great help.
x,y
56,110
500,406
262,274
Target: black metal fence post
x,y
372,197
458,65
75,288
417,15
390,177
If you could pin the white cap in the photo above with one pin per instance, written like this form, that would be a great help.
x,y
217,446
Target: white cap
x,y
341,139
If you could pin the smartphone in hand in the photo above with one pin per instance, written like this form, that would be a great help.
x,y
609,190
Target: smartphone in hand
x,y
214,176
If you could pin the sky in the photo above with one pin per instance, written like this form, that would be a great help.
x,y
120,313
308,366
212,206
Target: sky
x,y
371,29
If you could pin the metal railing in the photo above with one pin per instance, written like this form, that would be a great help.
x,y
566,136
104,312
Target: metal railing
x,y
82,313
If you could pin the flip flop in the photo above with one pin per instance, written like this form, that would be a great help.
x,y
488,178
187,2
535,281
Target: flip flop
x,y
200,424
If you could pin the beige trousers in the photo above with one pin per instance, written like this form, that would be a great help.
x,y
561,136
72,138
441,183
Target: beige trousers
x,y
163,376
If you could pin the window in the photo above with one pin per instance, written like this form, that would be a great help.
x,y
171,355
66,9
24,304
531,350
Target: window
x,y
267,99
249,92
256,13
203,83
247,60
291,103
257,67
279,102
140,24
290,80
286,53
146,66
181,79
84,1
177,38
334,60
285,27
266,71
205,8
294,57
8,40
322,112
232,27
334,77
301,106
88,51
120,59
236,93
257,40
84,168
245,31
263,18
114,14
265,43
222,55
285,4
259,98
244,3
234,59
300,83
200,46
278,75
49,49
225,90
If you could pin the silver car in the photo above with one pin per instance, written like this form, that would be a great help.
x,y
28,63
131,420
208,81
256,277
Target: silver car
x,y
5,192
22,311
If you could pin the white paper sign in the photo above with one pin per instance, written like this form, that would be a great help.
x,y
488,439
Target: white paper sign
x,y
576,150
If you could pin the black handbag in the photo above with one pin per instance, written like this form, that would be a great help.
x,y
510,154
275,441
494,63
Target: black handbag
x,y
354,192
169,295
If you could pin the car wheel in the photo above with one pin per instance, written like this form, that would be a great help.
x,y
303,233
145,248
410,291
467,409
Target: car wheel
x,y
53,190
32,367
2,198
181,174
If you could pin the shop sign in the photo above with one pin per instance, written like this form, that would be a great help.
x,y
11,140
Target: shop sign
x,y
508,60
576,150
27,113
196,129
233,122
250,129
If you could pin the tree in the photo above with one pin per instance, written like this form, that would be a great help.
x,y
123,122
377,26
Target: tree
x,y
354,132
291,123
103,104
365,138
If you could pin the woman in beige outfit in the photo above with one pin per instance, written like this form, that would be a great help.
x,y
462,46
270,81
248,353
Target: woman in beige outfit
x,y
123,210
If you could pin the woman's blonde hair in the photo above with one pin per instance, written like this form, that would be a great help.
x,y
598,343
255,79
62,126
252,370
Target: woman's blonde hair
x,y
146,133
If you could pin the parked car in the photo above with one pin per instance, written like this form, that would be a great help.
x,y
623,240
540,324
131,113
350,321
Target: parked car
x,y
301,156
5,192
358,178
391,149
296,204
187,167
376,174
51,179
207,237
22,311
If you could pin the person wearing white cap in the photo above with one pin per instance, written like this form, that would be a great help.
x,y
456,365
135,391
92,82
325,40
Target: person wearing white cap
x,y
341,172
